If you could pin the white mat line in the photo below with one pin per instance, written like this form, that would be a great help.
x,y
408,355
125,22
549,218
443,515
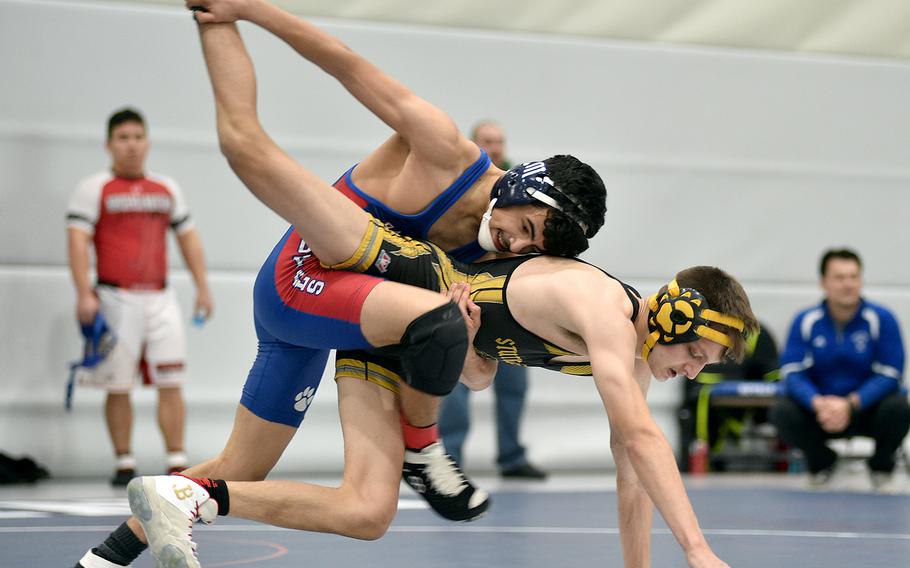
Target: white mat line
x,y
504,530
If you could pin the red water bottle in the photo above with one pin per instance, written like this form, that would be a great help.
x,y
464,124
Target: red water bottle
x,y
698,457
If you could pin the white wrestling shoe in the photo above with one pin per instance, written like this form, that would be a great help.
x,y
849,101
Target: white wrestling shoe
x,y
167,506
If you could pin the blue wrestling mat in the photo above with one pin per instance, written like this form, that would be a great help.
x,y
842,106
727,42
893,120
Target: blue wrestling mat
x,y
569,522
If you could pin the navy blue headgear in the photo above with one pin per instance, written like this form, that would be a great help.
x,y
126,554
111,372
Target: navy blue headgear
x,y
528,183
99,340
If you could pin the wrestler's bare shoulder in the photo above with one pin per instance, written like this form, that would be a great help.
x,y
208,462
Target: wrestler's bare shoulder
x,y
565,278
408,182
554,297
559,267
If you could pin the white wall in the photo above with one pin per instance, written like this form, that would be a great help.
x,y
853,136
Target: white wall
x,y
748,160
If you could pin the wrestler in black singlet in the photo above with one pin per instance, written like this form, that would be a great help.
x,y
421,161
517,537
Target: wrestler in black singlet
x,y
388,255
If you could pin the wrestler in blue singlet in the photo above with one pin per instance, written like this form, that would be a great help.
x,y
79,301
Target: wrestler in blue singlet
x,y
302,311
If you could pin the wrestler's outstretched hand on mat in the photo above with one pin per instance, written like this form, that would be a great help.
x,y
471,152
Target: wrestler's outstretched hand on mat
x,y
705,558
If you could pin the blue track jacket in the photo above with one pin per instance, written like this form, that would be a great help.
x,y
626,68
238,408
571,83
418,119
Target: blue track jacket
x,y
866,356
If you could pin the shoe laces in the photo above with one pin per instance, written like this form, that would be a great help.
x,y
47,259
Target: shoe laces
x,y
442,471
189,536
197,513
195,516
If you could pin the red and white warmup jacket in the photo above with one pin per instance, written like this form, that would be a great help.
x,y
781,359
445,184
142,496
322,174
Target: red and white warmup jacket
x,y
129,219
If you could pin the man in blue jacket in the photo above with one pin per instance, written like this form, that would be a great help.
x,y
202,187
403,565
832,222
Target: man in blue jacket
x,y
843,365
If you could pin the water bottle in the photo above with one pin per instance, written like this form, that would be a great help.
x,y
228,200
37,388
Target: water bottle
x,y
698,457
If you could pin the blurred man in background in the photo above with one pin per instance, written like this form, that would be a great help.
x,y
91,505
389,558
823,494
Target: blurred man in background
x,y
843,365
511,383
124,213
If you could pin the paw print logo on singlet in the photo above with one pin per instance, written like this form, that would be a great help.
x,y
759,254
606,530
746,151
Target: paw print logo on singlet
x,y
303,399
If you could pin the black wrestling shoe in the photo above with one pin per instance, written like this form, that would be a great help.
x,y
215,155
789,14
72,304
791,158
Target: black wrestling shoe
x,y
434,474
523,471
122,477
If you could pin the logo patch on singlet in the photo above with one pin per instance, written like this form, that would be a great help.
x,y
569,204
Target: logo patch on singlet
x,y
507,351
382,261
303,399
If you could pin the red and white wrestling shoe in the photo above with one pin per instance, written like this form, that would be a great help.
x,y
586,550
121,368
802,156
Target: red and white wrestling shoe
x,y
167,506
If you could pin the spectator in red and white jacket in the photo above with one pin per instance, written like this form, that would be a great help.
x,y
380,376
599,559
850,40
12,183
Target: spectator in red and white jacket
x,y
124,214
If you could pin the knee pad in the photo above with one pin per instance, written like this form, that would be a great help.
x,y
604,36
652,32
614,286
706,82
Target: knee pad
x,y
433,349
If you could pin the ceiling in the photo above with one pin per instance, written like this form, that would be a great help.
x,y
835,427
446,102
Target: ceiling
x,y
870,28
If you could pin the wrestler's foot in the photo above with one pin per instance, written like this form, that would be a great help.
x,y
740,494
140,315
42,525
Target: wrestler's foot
x,y
434,474
167,506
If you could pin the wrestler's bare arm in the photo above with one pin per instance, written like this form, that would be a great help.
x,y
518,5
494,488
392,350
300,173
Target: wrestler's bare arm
x,y
330,223
79,244
428,130
636,511
596,312
478,372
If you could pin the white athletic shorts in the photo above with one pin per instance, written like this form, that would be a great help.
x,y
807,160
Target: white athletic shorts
x,y
149,329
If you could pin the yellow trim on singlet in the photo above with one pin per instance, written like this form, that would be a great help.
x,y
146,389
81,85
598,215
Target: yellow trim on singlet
x,y
557,351
407,247
367,250
487,289
376,374
371,243
584,370
446,274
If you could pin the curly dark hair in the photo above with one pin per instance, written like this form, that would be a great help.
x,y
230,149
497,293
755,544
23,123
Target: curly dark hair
x,y
587,202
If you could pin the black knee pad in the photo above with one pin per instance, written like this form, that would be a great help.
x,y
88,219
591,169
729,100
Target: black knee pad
x,y
432,350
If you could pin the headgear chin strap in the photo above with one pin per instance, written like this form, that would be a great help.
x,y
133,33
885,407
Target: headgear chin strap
x,y
525,184
484,238
681,315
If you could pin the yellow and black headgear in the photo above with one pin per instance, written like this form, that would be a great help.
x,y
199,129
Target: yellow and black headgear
x,y
681,315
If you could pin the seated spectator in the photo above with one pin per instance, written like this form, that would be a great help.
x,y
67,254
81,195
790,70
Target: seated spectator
x,y
843,365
